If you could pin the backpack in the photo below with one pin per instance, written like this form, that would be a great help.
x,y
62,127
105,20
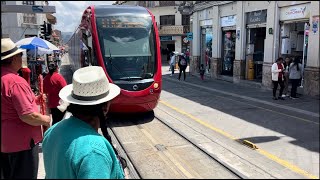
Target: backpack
x,y
183,62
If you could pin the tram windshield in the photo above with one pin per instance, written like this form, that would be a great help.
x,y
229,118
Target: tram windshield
x,y
128,46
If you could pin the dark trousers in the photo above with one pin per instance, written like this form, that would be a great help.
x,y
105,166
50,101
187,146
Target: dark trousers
x,y
275,87
57,115
295,84
20,165
184,73
172,69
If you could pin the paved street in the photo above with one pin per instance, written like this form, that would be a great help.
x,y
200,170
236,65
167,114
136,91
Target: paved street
x,y
287,132
288,129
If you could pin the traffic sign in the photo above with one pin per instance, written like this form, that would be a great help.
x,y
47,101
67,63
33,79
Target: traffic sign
x,y
189,36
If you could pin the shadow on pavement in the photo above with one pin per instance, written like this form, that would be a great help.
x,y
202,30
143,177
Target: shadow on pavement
x,y
304,129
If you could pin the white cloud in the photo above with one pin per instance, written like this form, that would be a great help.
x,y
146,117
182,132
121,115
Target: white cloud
x,y
68,13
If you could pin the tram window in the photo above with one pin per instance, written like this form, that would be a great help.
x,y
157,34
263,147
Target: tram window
x,y
127,45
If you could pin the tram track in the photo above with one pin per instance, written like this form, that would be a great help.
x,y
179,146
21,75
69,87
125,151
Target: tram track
x,y
181,164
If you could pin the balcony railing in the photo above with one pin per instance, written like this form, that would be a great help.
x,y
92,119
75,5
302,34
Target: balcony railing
x,y
174,30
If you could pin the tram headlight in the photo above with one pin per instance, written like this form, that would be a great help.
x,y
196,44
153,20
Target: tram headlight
x,y
155,85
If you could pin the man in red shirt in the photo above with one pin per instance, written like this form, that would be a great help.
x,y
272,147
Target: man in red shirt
x,y
20,120
25,72
52,84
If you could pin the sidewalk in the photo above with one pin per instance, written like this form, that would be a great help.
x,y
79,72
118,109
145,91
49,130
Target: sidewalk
x,y
307,105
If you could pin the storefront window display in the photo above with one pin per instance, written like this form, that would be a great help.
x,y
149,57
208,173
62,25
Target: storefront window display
x,y
229,42
206,48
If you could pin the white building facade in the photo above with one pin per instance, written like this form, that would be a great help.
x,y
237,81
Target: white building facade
x,y
172,25
240,40
21,25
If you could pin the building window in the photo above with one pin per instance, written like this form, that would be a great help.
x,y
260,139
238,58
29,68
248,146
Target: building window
x,y
167,3
185,19
27,2
167,20
29,18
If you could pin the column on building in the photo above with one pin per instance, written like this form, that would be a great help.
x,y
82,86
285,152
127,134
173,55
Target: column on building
x,y
239,61
294,34
271,42
195,59
216,43
311,71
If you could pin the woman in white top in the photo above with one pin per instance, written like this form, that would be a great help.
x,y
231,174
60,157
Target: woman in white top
x,y
277,78
295,75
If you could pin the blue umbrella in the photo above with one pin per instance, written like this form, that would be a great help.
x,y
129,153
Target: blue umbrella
x,y
34,43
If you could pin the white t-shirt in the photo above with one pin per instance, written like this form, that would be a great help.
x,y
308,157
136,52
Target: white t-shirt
x,y
173,60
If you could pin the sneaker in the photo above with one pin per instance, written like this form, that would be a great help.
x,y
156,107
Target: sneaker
x,y
274,98
283,95
281,98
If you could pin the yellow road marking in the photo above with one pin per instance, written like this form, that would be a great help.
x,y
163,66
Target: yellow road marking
x,y
263,152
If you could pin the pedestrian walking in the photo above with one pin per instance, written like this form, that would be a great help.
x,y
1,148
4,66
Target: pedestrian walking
x,y
52,84
295,76
182,63
73,148
202,70
172,63
20,120
277,78
286,77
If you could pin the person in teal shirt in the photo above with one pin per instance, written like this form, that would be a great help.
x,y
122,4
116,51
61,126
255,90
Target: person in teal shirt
x,y
73,148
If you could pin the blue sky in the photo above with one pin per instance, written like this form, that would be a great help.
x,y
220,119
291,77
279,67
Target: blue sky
x,y
68,13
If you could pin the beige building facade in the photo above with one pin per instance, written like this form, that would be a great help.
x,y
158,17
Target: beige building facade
x,y
240,40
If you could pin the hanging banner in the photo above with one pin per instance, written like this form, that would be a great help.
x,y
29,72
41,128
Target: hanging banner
x,y
300,11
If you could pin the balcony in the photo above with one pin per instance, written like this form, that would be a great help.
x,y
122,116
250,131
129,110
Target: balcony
x,y
174,30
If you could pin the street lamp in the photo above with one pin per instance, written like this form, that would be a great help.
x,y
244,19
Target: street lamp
x,y
185,8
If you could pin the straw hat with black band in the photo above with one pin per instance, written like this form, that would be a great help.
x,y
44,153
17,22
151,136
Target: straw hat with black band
x,y
9,49
90,86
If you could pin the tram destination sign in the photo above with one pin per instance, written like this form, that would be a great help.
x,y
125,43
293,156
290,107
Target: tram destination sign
x,y
257,17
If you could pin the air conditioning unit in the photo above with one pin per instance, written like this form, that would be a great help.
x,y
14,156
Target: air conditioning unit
x,y
285,30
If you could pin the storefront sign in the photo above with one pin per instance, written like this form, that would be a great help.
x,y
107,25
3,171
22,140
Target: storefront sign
x,y
295,12
257,17
315,24
166,38
207,22
228,21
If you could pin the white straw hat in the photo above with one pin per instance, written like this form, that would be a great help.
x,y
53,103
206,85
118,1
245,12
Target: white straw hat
x,y
8,48
90,86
